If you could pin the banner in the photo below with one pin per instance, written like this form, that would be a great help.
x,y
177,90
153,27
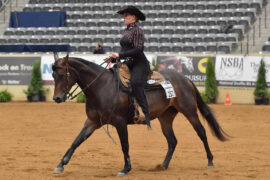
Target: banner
x,y
240,70
16,70
47,62
194,68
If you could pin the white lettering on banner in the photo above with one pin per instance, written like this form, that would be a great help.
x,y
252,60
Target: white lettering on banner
x,y
168,89
10,82
196,77
241,83
4,67
26,68
226,83
4,82
13,74
228,67
14,68
13,82
21,67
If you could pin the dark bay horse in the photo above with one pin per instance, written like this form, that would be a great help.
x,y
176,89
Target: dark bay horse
x,y
103,95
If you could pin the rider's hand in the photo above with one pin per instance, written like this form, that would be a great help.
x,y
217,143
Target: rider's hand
x,y
106,59
115,55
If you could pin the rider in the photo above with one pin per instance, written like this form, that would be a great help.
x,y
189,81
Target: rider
x,y
132,44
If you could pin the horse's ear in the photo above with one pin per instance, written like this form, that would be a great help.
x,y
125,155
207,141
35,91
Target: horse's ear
x,y
65,60
55,55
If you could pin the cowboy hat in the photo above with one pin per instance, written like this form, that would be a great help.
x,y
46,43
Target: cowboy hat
x,y
134,11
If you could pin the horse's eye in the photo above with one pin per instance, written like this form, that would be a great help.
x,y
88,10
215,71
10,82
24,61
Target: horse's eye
x,y
61,75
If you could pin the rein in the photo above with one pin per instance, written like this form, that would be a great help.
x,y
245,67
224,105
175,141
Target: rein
x,y
70,95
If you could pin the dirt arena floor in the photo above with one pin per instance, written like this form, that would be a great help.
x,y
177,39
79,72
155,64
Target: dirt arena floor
x,y
35,136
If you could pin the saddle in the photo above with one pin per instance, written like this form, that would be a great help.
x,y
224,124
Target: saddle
x,y
154,79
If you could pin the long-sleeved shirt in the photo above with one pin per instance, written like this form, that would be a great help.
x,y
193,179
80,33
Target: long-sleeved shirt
x,y
132,42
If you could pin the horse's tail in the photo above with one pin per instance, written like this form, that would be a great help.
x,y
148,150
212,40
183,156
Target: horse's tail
x,y
210,117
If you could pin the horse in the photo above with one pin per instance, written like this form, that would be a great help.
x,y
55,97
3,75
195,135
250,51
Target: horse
x,y
105,103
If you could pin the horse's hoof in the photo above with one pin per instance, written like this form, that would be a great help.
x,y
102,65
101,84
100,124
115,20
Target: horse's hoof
x,y
58,170
160,167
124,171
121,173
210,165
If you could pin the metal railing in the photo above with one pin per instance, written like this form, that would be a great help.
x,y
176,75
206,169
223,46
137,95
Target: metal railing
x,y
245,44
7,7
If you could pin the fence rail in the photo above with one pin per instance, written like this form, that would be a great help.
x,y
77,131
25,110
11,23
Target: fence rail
x,y
7,7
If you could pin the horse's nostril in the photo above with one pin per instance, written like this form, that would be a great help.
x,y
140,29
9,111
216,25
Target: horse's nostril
x,y
57,99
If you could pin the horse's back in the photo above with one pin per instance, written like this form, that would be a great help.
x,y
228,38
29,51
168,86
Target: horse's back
x,y
177,79
184,90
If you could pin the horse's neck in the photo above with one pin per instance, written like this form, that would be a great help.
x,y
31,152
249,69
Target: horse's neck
x,y
87,74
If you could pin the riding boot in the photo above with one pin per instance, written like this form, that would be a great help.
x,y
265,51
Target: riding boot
x,y
147,120
142,106
140,116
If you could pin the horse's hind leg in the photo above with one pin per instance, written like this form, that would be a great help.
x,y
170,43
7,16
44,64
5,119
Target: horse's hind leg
x,y
88,129
166,120
194,120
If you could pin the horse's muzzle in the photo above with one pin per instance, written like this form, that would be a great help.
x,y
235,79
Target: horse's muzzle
x,y
59,99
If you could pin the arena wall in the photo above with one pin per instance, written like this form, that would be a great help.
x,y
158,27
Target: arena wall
x,y
238,95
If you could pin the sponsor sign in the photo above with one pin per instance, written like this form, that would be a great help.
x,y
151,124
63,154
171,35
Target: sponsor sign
x,y
16,70
240,70
194,68
47,62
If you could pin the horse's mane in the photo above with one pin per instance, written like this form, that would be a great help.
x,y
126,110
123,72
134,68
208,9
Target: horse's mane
x,y
94,66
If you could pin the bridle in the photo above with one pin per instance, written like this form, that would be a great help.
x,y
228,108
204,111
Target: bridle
x,y
70,96
67,77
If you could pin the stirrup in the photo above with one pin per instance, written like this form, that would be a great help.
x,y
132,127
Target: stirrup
x,y
139,116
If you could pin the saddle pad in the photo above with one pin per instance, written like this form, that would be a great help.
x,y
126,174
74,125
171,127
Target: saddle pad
x,y
154,79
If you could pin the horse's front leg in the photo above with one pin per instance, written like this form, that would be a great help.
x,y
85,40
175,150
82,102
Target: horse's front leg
x,y
88,129
123,136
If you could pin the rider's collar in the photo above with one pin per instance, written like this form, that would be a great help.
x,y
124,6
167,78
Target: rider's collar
x,y
131,25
